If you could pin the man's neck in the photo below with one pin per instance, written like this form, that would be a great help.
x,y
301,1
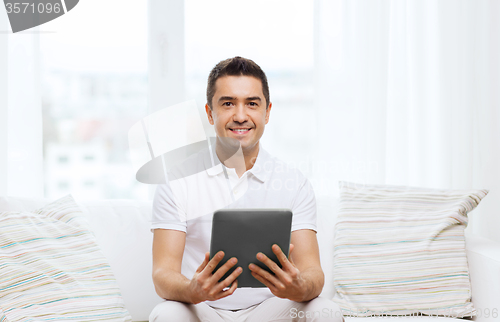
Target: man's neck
x,y
243,160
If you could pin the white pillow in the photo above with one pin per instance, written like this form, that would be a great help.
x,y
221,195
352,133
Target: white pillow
x,y
401,250
52,269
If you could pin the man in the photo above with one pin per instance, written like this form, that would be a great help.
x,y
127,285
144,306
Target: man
x,y
238,106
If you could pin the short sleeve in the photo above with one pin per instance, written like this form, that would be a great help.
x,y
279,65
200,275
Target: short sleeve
x,y
304,207
168,212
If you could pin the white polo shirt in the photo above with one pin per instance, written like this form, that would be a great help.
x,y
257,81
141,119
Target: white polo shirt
x,y
188,204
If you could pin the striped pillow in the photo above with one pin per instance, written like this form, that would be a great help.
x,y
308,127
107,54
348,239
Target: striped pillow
x,y
401,250
51,268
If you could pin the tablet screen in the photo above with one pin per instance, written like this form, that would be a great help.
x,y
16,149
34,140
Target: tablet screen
x,y
242,233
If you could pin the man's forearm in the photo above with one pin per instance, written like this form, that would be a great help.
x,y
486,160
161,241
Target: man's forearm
x,y
314,279
172,285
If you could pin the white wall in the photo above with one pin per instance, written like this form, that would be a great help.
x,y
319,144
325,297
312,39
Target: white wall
x,y
3,100
166,53
165,56
21,157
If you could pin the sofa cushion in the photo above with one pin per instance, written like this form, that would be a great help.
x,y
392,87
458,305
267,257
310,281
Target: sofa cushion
x,y
401,250
122,229
51,268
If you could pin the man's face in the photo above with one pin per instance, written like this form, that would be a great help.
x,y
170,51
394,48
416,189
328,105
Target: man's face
x,y
239,110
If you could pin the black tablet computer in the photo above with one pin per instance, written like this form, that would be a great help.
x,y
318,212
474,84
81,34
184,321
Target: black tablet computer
x,y
242,233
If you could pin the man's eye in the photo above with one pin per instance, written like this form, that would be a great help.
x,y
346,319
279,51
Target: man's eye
x,y
253,104
227,104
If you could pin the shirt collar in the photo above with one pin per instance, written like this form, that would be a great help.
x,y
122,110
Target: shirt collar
x,y
212,163
262,166
259,169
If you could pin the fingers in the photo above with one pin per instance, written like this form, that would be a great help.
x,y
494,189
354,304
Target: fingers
x,y
270,278
233,286
265,278
281,256
223,269
205,262
217,275
269,263
207,285
230,281
212,264
281,276
286,266
286,263
264,281
216,291
228,292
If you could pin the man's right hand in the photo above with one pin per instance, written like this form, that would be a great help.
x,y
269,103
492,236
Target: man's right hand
x,y
205,286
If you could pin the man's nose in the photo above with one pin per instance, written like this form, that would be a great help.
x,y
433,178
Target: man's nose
x,y
240,114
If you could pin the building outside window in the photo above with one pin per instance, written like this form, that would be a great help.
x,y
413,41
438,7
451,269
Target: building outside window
x,y
95,83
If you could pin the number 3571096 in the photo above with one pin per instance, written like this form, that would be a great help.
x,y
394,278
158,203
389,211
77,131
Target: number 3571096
x,y
487,313
24,7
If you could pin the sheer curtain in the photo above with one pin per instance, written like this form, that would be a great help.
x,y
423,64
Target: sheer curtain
x,y
409,94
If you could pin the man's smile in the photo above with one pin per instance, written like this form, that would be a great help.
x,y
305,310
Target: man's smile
x,y
240,131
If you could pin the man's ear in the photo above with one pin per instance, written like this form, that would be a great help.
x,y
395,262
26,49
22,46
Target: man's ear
x,y
209,114
268,111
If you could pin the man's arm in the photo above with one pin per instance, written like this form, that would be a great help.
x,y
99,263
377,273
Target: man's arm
x,y
170,284
301,278
306,258
168,248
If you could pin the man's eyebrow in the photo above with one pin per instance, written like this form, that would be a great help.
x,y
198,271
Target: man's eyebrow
x,y
254,98
226,98
230,98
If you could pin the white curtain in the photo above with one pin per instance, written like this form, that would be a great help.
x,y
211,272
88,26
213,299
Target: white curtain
x,y
409,94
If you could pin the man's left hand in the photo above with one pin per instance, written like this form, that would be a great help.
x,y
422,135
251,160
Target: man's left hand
x,y
286,281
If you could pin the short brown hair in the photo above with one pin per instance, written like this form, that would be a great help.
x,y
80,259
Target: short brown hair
x,y
237,66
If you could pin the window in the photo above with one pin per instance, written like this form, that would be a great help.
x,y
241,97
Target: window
x,y
277,35
95,82
94,88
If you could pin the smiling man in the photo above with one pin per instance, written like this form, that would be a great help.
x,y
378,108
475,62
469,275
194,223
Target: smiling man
x,y
238,106
242,110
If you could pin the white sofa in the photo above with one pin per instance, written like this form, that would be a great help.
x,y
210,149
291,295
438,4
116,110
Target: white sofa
x,y
122,230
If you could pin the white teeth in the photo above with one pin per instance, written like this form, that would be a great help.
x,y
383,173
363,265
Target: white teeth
x,y
241,130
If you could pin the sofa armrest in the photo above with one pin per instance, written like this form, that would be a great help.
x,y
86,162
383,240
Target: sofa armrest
x,y
483,256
